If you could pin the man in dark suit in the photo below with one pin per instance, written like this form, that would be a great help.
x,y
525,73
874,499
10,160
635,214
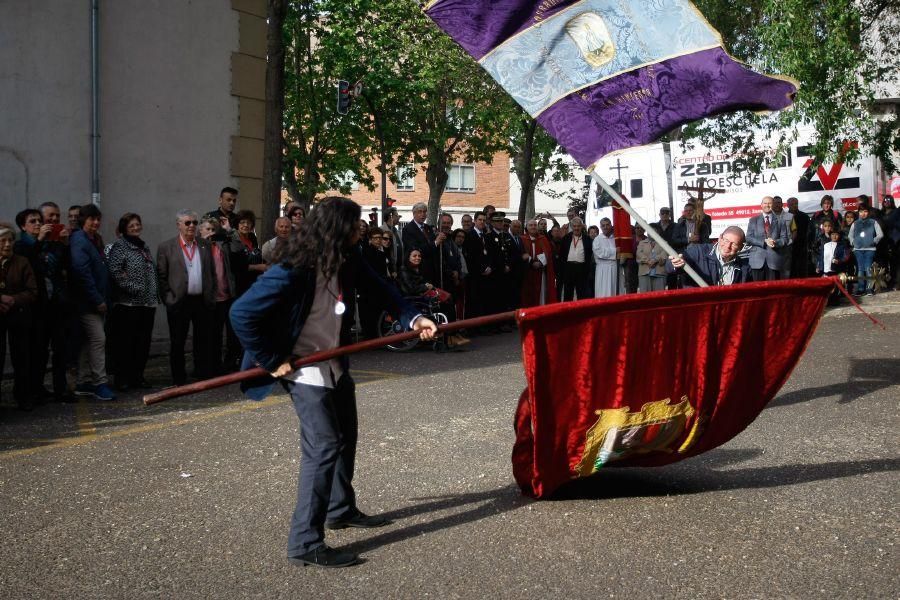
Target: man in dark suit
x,y
419,235
499,246
800,256
767,234
716,264
577,261
451,264
520,262
185,270
476,253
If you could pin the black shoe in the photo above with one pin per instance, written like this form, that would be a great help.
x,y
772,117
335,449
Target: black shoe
x,y
141,384
65,398
324,556
361,520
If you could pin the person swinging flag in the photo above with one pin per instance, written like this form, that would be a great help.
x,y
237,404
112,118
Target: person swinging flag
x,y
604,75
650,379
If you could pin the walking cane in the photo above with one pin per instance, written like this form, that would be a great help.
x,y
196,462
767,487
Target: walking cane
x,y
217,382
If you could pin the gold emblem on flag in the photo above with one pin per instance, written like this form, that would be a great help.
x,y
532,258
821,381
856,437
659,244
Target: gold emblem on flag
x,y
591,35
619,433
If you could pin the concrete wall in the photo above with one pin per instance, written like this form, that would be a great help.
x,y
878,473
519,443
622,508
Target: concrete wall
x,y
182,85
44,104
167,113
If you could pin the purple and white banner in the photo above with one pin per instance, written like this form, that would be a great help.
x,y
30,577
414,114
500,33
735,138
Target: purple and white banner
x,y
604,75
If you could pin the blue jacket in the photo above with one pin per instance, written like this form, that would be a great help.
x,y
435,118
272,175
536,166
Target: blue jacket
x,y
269,317
702,258
842,253
865,234
90,278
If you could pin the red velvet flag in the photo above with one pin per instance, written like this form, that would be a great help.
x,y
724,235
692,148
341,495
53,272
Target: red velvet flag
x,y
651,379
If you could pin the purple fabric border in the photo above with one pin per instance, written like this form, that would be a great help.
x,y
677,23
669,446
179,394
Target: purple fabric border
x,y
638,107
479,26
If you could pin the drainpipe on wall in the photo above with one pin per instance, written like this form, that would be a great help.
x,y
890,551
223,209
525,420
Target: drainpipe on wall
x,y
95,102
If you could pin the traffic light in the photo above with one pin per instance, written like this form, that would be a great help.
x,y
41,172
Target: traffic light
x,y
343,97
390,202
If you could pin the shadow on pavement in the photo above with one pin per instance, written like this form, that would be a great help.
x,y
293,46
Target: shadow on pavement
x,y
488,504
865,377
683,479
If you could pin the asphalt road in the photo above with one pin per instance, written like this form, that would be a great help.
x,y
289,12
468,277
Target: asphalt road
x,y
191,498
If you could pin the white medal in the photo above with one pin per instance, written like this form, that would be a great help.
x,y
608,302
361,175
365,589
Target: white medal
x,y
339,308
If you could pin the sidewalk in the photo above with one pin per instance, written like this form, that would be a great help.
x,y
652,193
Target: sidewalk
x,y
883,303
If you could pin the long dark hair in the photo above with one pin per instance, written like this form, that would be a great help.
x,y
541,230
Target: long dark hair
x,y
324,236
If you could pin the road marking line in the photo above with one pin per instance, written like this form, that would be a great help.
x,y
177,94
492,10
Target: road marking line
x,y
86,426
84,438
382,374
78,441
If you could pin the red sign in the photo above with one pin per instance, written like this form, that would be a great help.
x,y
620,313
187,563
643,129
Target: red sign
x,y
732,212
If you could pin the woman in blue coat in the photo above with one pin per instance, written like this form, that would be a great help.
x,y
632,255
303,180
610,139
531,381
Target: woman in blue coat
x,y
302,305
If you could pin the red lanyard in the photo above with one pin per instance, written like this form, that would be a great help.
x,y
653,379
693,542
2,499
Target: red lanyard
x,y
189,255
575,240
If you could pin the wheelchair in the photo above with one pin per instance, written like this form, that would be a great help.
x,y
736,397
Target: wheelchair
x,y
430,307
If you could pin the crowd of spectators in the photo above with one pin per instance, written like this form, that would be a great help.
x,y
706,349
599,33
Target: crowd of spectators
x,y
88,308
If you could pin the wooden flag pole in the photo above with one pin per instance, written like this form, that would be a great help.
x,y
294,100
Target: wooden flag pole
x,y
216,382
647,229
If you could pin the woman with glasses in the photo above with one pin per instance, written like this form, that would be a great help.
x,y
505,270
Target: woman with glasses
x,y
40,243
377,259
247,262
296,215
222,245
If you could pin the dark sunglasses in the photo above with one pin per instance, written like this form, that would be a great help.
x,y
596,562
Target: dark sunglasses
x,y
189,223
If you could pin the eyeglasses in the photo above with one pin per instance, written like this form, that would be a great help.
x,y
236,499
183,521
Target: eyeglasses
x,y
33,221
189,223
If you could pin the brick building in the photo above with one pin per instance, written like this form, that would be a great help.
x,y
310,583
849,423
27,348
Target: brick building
x,y
471,186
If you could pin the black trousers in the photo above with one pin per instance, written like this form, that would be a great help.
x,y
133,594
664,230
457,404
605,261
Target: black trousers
x,y
50,331
766,274
131,330
16,326
494,292
190,312
574,280
221,324
328,435
475,284
369,311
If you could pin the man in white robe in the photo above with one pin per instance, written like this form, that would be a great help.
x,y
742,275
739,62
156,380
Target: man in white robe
x,y
607,269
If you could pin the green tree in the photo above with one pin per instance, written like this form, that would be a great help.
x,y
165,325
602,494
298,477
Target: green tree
x,y
535,157
841,51
433,104
323,150
273,144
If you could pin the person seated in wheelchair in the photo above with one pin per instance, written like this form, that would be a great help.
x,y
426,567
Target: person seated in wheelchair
x,y
413,284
